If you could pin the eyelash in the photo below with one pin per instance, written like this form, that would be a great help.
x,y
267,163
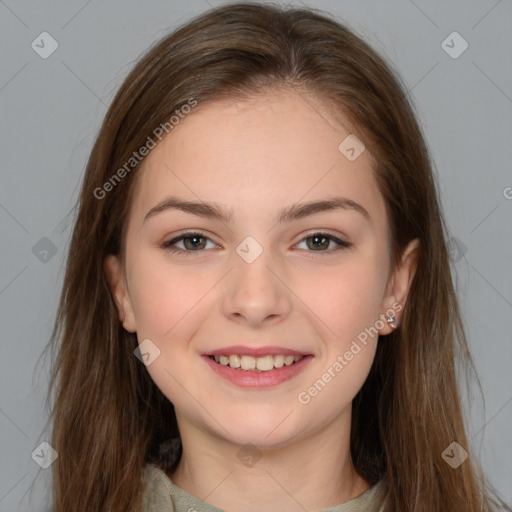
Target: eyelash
x,y
190,234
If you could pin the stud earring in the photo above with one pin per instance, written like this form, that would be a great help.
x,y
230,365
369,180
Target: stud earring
x,y
391,320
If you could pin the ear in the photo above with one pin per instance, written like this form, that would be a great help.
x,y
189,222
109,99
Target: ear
x,y
398,286
117,282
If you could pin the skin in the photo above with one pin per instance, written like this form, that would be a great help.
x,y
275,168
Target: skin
x,y
255,157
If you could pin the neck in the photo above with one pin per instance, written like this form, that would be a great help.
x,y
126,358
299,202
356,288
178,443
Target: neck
x,y
314,472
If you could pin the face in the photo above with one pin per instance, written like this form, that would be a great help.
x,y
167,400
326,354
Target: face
x,y
258,274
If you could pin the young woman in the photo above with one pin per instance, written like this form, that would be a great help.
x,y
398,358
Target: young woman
x,y
258,311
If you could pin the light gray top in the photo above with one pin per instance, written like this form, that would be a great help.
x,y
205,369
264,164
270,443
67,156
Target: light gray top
x,y
162,495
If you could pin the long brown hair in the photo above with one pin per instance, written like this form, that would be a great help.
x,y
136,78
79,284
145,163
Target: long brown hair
x,y
109,418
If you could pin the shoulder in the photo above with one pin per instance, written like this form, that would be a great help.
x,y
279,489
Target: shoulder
x,y
372,500
157,493
377,497
160,494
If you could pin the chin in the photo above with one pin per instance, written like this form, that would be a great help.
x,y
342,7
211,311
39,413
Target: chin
x,y
265,432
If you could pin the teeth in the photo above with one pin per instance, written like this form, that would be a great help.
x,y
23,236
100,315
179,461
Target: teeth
x,y
234,361
265,363
278,361
257,364
248,363
288,360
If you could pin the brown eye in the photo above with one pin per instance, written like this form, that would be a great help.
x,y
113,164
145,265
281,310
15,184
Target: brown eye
x,y
194,242
320,242
190,242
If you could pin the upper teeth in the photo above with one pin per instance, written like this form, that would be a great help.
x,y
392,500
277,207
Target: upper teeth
x,y
264,363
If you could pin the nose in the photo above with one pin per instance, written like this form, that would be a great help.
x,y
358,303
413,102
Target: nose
x,y
256,293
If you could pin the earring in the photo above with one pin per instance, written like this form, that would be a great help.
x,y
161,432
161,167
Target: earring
x,y
391,320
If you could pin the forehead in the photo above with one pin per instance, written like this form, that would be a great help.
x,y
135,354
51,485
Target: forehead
x,y
257,155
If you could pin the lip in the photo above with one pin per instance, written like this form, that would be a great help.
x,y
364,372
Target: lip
x,y
241,350
249,379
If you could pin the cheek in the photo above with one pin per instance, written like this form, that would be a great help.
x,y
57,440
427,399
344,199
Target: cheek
x,y
164,295
348,306
346,300
168,309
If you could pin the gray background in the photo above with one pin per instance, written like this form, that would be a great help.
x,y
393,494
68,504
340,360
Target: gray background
x,y
51,110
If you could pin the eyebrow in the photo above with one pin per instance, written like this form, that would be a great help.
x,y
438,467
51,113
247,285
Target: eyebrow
x,y
288,214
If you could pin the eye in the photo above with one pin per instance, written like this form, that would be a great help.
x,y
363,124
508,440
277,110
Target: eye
x,y
320,242
196,241
192,241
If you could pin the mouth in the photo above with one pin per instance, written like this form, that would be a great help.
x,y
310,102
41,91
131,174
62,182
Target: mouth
x,y
264,367
256,364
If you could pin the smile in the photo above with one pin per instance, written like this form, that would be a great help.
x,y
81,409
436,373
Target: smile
x,y
256,364
259,371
